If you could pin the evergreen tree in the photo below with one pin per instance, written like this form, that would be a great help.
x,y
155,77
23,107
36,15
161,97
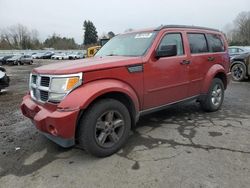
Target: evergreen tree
x,y
111,34
90,33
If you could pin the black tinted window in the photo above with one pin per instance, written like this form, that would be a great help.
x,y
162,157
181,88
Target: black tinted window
x,y
198,43
173,39
215,43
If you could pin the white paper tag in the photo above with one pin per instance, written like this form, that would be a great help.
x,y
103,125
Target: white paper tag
x,y
143,35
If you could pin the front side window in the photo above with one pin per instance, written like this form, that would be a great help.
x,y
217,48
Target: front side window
x,y
233,50
215,43
197,43
133,44
173,39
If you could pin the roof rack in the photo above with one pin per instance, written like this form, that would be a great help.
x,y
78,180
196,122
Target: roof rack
x,y
184,26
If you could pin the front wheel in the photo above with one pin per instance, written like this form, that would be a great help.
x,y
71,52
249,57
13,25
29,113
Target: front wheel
x,y
215,96
238,72
104,128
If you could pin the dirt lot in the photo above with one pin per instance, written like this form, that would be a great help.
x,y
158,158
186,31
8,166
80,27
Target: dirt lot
x,y
178,147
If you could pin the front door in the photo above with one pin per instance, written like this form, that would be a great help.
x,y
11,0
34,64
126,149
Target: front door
x,y
166,78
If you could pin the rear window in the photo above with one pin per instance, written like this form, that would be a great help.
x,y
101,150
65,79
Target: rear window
x,y
197,43
215,43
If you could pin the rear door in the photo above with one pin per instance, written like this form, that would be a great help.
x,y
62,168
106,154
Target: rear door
x,y
24,60
217,49
166,78
199,61
206,50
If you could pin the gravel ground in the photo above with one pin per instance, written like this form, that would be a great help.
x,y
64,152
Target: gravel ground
x,y
179,147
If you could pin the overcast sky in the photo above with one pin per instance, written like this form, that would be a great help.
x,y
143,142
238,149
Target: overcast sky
x,y
65,17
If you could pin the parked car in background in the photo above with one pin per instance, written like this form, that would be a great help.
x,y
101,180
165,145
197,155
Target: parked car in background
x,y
4,58
76,55
96,101
60,56
237,50
37,55
20,60
47,55
240,67
4,79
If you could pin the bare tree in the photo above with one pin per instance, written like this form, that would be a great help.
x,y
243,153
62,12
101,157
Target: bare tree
x,y
19,37
240,33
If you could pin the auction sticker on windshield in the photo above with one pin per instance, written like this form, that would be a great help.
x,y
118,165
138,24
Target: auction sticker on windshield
x,y
143,35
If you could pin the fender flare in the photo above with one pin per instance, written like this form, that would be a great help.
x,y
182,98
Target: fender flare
x,y
212,72
83,96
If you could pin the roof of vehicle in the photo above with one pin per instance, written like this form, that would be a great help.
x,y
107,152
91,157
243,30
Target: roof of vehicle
x,y
172,27
185,26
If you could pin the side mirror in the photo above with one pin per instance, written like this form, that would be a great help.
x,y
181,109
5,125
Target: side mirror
x,y
166,51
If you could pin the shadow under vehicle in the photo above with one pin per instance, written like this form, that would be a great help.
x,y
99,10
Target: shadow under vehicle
x,y
240,67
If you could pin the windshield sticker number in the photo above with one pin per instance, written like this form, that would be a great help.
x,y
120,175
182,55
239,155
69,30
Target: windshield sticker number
x,y
143,35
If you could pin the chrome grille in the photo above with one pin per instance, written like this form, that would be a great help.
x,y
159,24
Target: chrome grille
x,y
44,95
33,79
39,87
45,80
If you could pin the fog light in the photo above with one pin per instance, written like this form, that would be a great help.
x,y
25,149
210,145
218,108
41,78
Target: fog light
x,y
52,130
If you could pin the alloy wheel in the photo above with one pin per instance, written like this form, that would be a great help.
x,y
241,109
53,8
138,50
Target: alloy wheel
x,y
109,129
216,95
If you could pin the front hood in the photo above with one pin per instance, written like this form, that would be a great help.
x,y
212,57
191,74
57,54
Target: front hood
x,y
89,64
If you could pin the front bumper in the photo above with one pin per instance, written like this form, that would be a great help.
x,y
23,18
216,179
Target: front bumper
x,y
58,126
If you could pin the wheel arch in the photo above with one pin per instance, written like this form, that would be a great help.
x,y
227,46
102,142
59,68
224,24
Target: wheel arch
x,y
223,77
121,97
81,98
216,71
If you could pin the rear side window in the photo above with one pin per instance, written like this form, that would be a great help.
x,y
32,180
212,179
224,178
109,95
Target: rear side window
x,y
173,39
198,43
215,43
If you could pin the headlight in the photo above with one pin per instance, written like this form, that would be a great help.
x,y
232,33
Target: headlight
x,y
61,86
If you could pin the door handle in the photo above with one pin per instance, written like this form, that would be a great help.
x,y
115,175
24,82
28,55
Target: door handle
x,y
211,58
185,62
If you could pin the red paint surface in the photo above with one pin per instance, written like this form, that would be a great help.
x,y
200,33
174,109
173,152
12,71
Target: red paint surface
x,y
162,81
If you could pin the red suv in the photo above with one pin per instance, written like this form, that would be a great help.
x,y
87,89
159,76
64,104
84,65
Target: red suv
x,y
94,102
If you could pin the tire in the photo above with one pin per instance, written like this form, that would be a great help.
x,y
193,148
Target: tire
x,y
96,132
215,96
238,72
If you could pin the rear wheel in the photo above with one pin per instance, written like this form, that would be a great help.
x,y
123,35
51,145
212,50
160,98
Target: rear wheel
x,y
214,97
238,72
104,128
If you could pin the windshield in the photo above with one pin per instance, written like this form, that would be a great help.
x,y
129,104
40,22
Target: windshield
x,y
134,44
